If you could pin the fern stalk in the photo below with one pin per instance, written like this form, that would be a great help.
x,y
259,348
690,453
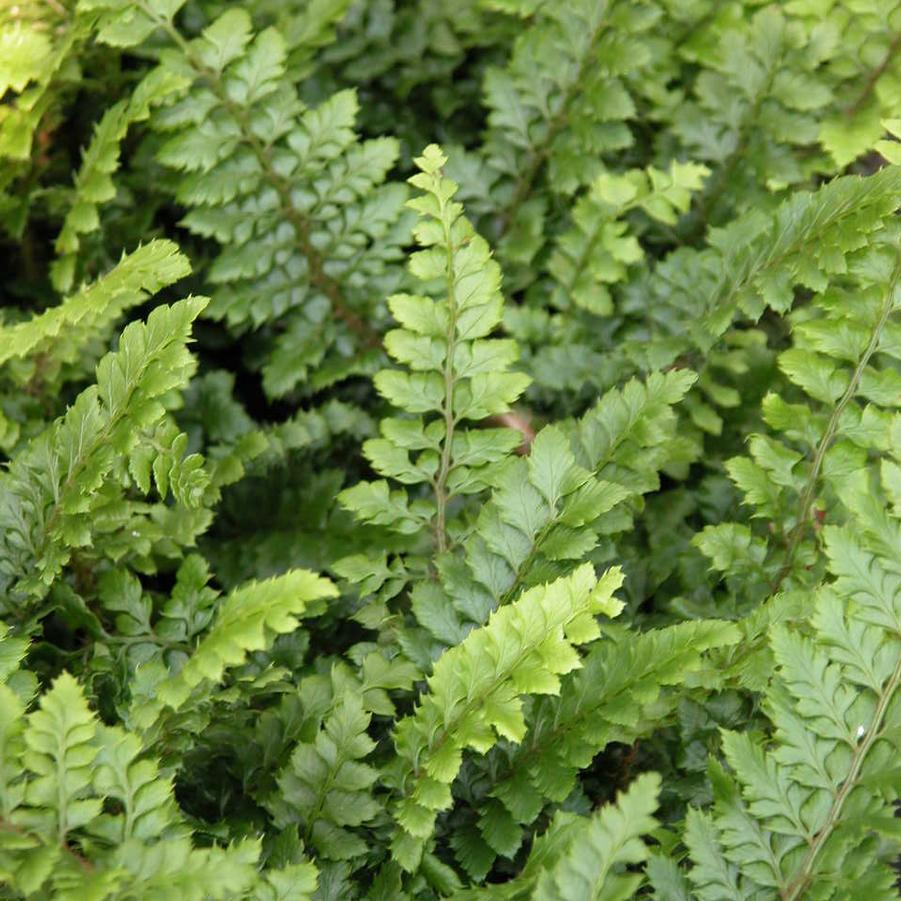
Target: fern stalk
x,y
441,495
318,276
799,885
810,489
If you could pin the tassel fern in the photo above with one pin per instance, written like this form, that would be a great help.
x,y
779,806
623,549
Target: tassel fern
x,y
449,450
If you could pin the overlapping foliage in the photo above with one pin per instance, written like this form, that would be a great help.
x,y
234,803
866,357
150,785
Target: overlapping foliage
x,y
450,450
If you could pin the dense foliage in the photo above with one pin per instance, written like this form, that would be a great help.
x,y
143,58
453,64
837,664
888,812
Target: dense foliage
x,y
450,449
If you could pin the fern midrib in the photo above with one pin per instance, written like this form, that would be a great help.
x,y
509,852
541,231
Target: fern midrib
x,y
540,153
441,494
727,298
804,874
874,75
481,699
318,276
810,489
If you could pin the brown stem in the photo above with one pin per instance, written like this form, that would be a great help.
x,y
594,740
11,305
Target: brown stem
x,y
316,265
869,85
539,154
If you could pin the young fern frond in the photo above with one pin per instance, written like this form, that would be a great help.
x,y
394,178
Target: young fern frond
x,y
94,181
55,333
623,691
476,688
39,355
52,492
458,373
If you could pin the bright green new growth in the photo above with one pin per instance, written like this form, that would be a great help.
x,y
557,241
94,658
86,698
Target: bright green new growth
x,y
51,498
457,373
633,330
475,691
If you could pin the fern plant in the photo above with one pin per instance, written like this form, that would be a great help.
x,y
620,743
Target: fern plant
x,y
516,517
787,817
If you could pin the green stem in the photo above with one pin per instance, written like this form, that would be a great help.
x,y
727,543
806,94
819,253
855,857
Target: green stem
x,y
441,493
808,496
799,884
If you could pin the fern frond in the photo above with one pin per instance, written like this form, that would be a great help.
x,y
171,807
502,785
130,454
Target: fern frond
x,y
623,691
860,70
596,251
476,688
60,752
581,858
55,333
839,345
457,374
53,487
94,181
56,839
247,620
548,511
149,811
327,787
309,232
758,75
568,66
756,262
788,821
